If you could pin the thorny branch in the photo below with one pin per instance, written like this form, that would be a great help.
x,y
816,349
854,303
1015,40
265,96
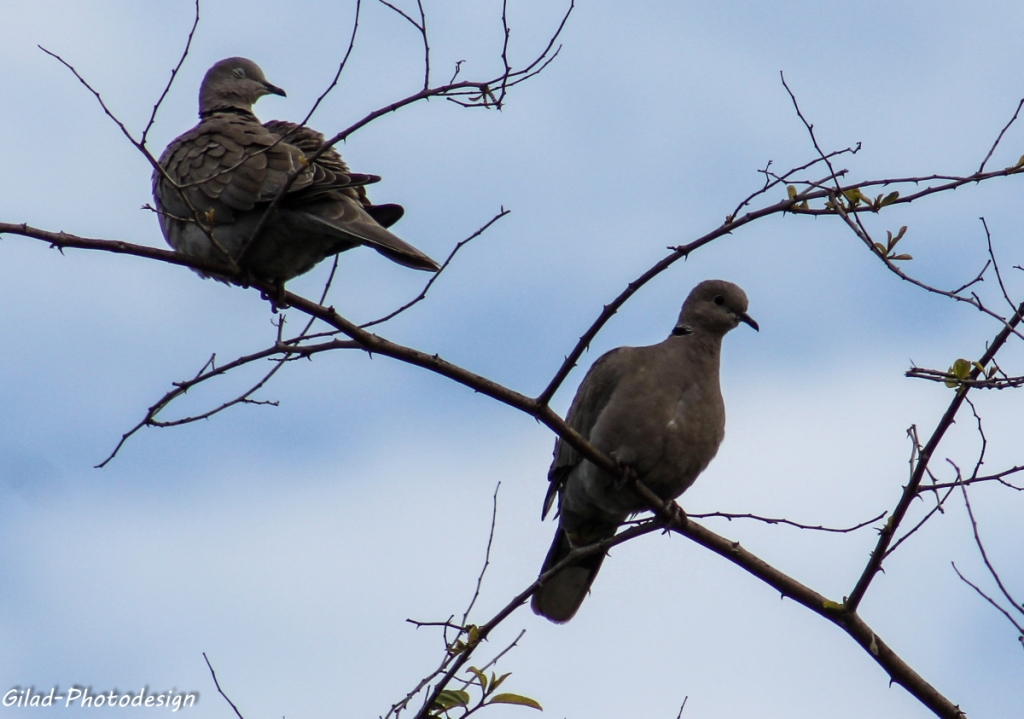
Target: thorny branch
x,y
170,80
487,556
283,350
981,168
910,491
479,95
789,522
935,375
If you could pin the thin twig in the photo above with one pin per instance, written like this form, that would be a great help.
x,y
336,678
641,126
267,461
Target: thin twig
x,y
219,690
788,522
935,375
987,598
487,556
771,180
810,130
855,224
997,477
341,66
433,278
170,81
1002,132
421,27
504,651
680,714
992,257
984,556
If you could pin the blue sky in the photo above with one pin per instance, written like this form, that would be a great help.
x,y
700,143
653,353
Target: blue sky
x,y
291,543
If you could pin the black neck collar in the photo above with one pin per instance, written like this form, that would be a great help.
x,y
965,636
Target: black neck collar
x,y
241,112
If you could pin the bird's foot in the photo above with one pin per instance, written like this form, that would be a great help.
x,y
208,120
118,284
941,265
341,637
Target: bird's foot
x,y
275,296
626,474
675,515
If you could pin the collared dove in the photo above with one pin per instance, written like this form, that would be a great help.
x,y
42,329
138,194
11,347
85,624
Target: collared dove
x,y
229,168
655,410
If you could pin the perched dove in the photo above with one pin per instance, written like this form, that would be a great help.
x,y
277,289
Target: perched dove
x,y
229,168
655,410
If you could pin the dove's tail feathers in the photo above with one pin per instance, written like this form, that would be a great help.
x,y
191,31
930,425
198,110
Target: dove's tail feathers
x,y
356,226
561,595
402,252
385,215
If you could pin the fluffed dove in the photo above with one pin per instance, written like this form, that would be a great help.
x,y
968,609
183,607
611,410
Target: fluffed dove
x,y
229,168
658,412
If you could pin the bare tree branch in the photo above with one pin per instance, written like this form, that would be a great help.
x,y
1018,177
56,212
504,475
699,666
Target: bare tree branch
x,y
487,555
981,168
219,690
170,81
789,522
457,89
988,564
421,26
910,491
989,599
433,278
840,614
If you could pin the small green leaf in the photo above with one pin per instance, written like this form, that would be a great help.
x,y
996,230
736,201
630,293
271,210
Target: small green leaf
x,y
449,698
961,369
495,683
889,199
900,257
481,677
515,699
880,248
833,606
854,196
791,190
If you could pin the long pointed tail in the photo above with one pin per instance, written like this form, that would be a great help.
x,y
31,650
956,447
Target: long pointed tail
x,y
561,595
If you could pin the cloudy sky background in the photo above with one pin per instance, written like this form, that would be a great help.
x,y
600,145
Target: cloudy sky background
x,y
291,543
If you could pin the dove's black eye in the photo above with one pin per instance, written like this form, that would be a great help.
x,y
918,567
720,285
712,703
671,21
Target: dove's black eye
x,y
239,72
719,300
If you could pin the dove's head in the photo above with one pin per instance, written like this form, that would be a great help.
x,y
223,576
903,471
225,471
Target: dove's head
x,y
714,306
233,84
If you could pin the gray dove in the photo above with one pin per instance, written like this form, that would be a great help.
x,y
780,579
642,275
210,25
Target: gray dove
x,y
658,412
222,175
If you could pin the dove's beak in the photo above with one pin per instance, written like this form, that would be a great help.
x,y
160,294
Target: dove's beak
x,y
744,317
274,89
